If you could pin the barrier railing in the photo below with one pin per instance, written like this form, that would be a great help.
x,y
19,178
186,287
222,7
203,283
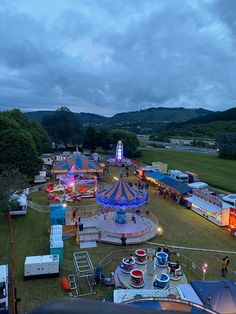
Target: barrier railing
x,y
188,263
37,207
84,211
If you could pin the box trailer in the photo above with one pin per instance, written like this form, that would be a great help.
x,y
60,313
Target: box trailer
x,y
41,266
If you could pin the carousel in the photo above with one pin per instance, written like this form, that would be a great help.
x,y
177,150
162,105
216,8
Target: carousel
x,y
121,212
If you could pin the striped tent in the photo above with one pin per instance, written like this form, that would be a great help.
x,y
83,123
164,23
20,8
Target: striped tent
x,y
120,194
80,163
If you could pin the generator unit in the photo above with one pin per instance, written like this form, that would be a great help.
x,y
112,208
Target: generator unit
x,y
41,266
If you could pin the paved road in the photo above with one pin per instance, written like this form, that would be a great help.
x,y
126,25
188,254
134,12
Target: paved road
x,y
183,148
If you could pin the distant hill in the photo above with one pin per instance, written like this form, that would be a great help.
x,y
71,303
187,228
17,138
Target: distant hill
x,y
159,114
227,115
84,117
149,116
205,126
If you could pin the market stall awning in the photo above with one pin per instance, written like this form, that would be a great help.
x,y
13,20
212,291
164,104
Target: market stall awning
x,y
155,175
201,203
181,188
80,164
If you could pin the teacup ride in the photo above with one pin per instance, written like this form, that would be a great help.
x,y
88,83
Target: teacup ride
x,y
136,278
175,272
127,265
161,283
161,259
140,257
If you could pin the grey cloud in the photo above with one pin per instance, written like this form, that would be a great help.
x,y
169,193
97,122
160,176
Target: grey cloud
x,y
116,56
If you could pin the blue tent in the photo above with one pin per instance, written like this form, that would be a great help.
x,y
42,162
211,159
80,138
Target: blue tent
x,y
218,295
176,185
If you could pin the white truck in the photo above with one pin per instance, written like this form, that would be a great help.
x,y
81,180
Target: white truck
x,y
178,175
41,266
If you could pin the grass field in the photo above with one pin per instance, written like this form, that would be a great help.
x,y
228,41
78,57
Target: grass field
x,y
181,227
219,173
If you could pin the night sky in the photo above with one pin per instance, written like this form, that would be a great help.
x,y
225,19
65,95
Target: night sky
x,y
105,56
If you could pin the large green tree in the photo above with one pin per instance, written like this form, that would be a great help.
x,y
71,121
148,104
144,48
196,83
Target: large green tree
x,y
226,142
103,139
129,140
17,149
37,132
63,127
90,138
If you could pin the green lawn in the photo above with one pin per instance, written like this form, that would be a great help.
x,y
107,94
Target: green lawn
x,y
181,227
219,173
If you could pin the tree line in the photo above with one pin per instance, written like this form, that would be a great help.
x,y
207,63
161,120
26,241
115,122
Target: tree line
x,y
65,128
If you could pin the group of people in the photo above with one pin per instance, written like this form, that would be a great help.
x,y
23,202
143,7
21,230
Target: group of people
x,y
139,185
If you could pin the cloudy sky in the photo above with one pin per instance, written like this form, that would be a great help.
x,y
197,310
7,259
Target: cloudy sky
x,y
108,56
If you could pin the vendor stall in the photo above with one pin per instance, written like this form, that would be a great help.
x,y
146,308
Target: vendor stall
x,y
210,207
202,186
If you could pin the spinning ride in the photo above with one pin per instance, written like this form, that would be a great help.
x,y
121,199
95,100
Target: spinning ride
x,y
120,196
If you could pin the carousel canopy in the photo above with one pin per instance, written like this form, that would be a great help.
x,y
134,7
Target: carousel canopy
x,y
120,194
80,163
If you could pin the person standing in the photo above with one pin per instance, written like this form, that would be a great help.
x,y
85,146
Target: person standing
x,y
223,263
227,264
99,236
123,240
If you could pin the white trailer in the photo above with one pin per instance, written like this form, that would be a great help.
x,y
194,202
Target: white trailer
x,y
47,159
41,266
178,175
4,289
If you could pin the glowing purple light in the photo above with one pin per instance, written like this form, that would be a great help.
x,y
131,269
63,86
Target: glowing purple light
x,y
119,151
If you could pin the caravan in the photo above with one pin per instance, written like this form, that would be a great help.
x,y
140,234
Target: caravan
x,y
178,175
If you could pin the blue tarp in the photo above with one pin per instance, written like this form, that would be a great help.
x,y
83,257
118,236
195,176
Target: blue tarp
x,y
155,175
174,184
